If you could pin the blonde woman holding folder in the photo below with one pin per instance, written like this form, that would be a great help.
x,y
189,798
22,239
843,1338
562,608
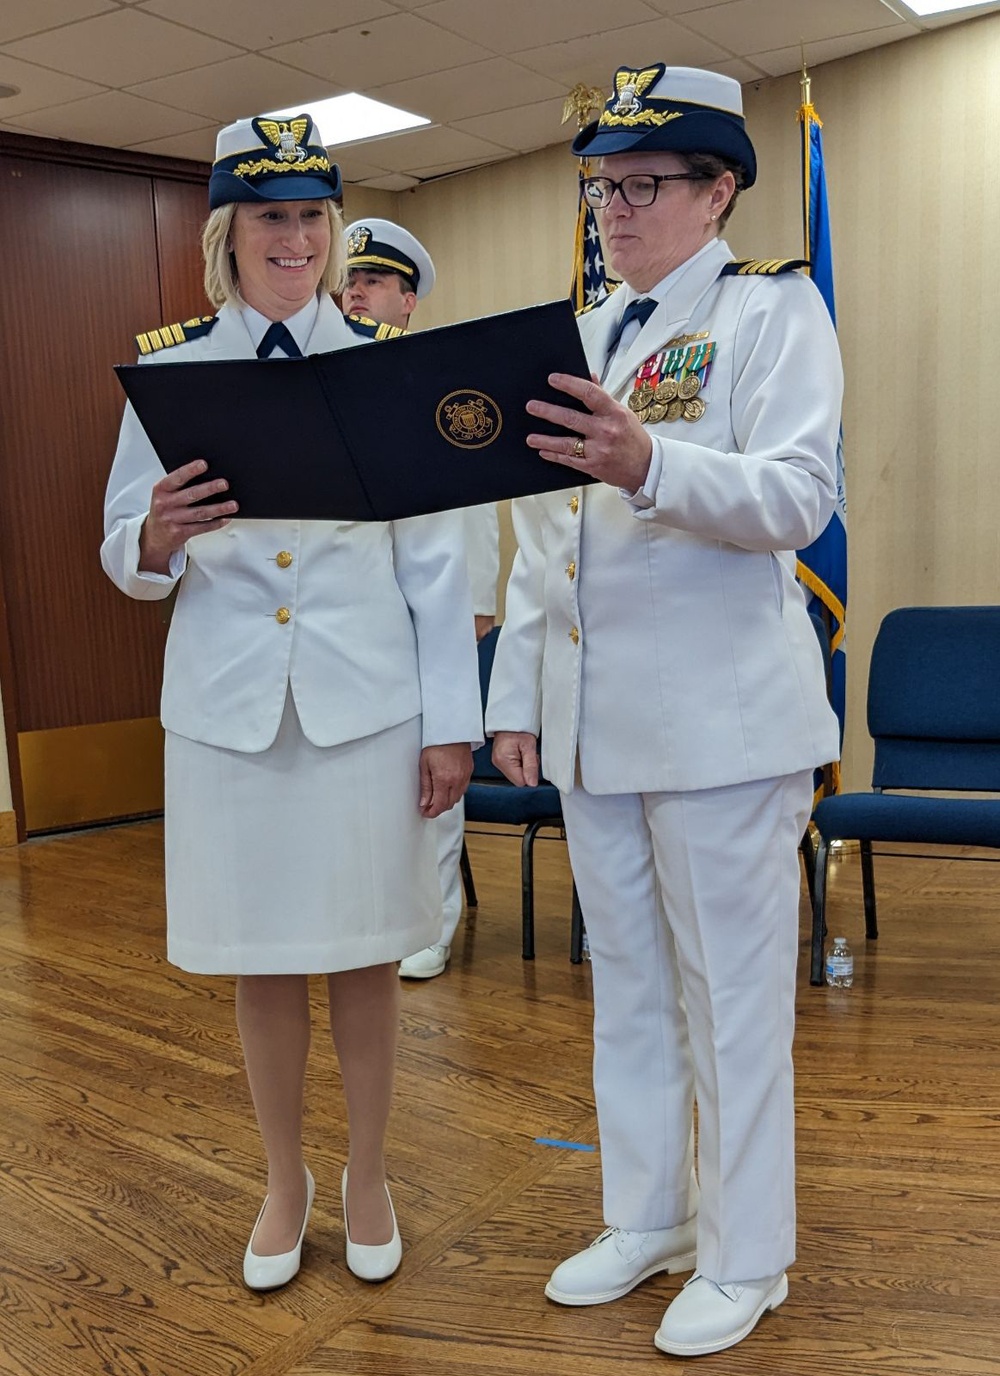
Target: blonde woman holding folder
x,y
320,697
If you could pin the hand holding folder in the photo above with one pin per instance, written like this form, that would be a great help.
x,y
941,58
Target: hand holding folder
x,y
424,422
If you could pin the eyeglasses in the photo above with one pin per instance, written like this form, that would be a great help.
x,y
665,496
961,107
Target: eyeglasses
x,y
637,191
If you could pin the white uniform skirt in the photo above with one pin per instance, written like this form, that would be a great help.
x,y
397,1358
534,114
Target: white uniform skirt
x,y
299,859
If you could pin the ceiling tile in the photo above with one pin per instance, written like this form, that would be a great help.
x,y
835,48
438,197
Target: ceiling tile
x,y
475,89
524,129
529,23
238,88
375,54
781,61
754,26
356,165
392,181
21,17
682,7
740,69
127,119
424,147
39,87
594,60
444,169
199,145
121,48
262,23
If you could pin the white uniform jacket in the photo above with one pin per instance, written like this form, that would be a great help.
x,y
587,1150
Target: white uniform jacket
x,y
662,641
379,617
482,542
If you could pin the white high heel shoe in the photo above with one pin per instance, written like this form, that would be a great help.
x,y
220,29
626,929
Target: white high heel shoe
x,y
268,1273
377,1262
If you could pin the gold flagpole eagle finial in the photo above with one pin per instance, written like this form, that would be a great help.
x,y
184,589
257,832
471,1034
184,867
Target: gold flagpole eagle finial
x,y
582,101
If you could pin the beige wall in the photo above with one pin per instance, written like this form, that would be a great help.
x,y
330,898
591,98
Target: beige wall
x,y
911,132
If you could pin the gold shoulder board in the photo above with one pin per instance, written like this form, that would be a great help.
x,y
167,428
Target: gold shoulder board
x,y
762,267
612,287
371,329
169,335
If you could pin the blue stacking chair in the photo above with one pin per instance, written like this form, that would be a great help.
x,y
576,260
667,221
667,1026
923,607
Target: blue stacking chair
x,y
934,715
493,798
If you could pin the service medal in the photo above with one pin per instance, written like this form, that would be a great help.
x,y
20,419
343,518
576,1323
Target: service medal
x,y
656,412
689,387
641,397
675,410
666,390
694,409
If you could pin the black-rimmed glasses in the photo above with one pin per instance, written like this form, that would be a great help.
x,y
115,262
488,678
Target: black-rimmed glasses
x,y
638,190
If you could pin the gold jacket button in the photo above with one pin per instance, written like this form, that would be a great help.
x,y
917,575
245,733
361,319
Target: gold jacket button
x,y
283,559
571,570
574,504
574,635
282,616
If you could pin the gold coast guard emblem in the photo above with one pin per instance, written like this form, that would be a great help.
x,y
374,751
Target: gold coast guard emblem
x,y
357,241
630,86
469,419
286,136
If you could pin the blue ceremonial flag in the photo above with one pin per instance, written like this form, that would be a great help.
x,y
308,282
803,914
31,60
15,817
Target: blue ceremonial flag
x,y
590,281
822,567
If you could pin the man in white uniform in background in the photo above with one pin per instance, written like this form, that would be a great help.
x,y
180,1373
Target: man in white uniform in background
x,y
389,271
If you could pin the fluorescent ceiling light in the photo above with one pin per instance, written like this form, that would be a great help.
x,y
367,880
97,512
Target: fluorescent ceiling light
x,y
352,117
927,8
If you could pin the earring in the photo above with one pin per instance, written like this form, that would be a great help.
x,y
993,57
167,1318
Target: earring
x,y
715,217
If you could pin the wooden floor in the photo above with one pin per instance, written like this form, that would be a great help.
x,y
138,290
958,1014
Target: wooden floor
x,y
131,1171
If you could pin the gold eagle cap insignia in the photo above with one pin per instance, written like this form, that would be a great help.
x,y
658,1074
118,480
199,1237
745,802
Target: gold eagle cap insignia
x,y
287,136
631,86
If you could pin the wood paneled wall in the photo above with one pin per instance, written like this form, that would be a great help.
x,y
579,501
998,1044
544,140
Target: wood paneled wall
x,y
98,245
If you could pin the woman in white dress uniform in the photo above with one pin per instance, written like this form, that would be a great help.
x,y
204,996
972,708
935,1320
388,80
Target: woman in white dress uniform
x,y
320,697
657,638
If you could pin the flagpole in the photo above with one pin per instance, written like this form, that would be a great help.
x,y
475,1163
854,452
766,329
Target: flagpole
x,y
581,101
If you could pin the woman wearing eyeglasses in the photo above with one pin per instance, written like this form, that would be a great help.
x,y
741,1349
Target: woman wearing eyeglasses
x,y
657,639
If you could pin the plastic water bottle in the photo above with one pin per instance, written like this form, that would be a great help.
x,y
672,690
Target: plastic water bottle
x,y
840,964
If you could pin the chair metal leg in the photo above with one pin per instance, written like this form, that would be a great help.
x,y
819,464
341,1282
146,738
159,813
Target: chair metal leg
x,y
808,849
528,889
868,888
816,971
468,883
576,930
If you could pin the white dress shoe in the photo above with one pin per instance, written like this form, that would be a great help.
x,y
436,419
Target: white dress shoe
x,y
377,1262
425,964
707,1317
267,1273
618,1261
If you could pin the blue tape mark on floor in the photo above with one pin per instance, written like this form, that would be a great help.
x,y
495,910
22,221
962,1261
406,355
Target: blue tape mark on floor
x,y
556,1142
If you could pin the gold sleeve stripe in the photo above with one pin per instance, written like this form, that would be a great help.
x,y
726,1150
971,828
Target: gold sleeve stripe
x,y
388,332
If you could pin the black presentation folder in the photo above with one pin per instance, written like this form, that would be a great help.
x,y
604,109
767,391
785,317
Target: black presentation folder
x,y
399,427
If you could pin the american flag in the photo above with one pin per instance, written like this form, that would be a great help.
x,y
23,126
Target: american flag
x,y
590,278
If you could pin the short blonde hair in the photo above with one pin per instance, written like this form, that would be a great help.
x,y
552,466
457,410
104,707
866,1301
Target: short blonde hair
x,y
221,276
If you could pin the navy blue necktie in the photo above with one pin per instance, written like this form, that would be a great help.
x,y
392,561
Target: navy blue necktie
x,y
278,336
639,310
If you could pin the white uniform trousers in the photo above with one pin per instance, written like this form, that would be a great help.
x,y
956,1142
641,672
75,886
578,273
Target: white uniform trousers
x,y
449,834
691,905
